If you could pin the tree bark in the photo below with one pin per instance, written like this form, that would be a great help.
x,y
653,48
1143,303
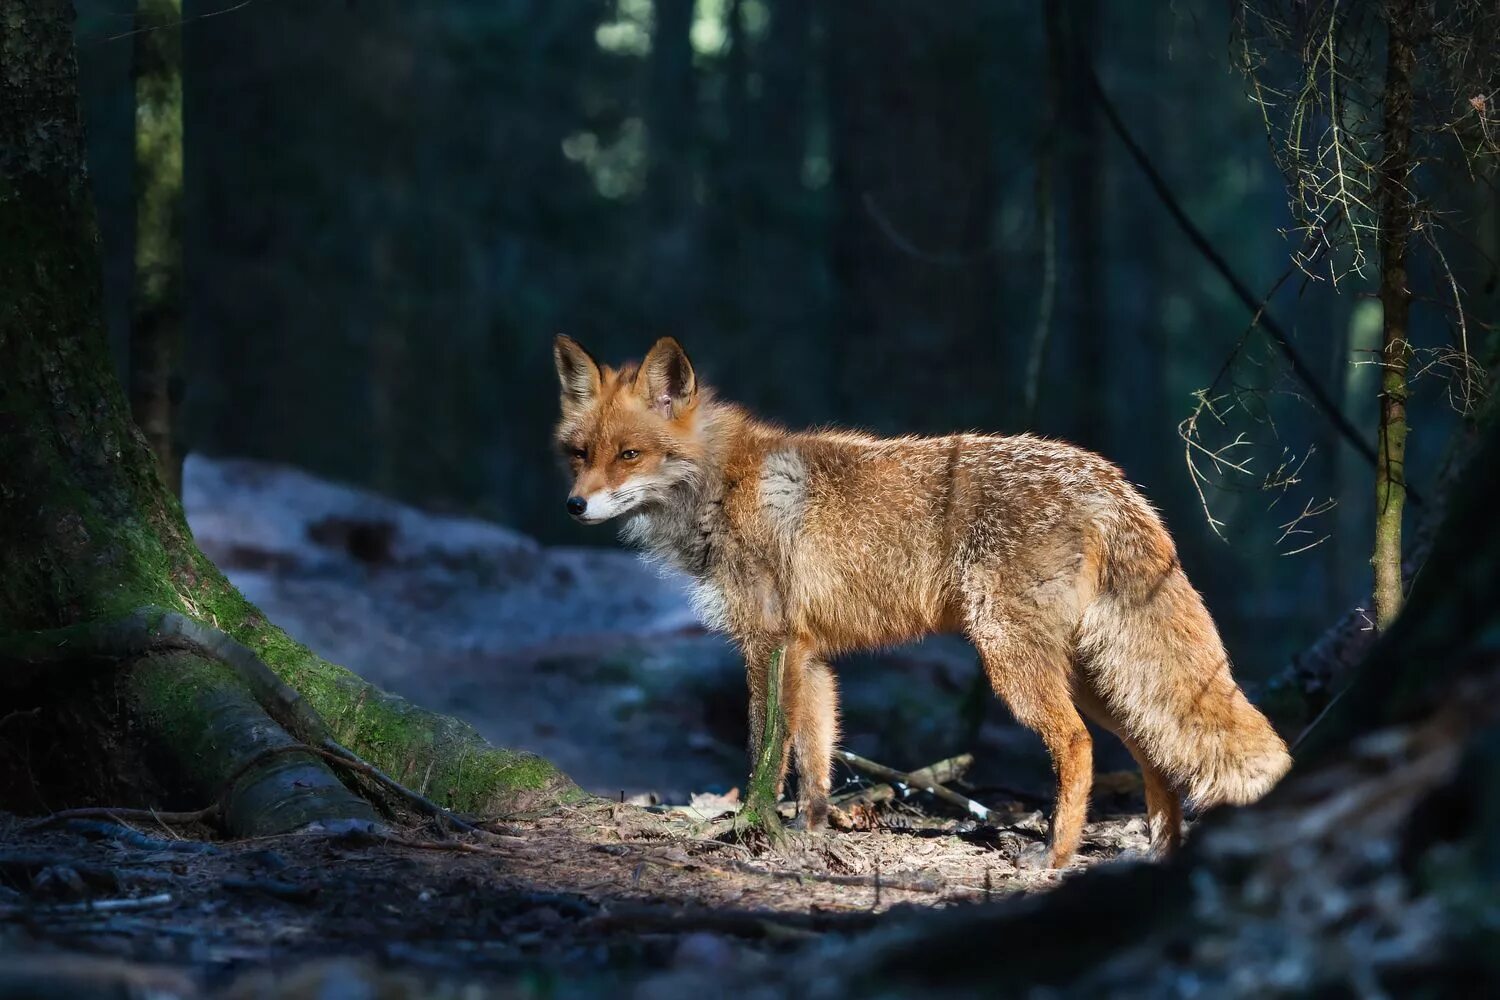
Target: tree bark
x,y
1396,219
1046,209
1084,221
90,534
156,302
914,196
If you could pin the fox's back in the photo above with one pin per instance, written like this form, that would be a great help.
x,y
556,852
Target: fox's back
x,y
876,537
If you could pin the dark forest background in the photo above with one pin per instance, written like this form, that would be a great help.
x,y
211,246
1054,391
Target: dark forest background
x,y
856,213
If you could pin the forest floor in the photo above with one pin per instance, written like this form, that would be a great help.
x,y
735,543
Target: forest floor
x,y
593,660
599,895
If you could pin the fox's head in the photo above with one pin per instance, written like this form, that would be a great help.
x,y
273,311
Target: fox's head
x,y
630,434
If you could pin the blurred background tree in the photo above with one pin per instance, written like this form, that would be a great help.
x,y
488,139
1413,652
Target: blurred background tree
x,y
871,214
1374,112
155,349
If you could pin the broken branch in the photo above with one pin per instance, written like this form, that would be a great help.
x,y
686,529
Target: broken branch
x,y
915,779
940,773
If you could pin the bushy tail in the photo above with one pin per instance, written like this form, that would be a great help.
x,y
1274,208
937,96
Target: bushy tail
x,y
1152,654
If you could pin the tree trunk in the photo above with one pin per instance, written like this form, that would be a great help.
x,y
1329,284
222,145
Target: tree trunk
x,y
1046,210
1396,218
914,188
1083,237
671,115
670,111
156,302
90,533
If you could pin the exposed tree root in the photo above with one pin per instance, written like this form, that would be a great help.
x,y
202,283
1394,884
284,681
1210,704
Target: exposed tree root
x,y
215,812
157,632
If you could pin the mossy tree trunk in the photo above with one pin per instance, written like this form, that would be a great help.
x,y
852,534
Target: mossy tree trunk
x,y
90,533
156,301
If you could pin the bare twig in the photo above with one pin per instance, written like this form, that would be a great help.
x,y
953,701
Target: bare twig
x,y
900,242
118,815
915,780
940,773
1304,374
343,756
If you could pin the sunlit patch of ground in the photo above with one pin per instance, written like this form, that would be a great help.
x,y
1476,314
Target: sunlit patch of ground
x,y
604,889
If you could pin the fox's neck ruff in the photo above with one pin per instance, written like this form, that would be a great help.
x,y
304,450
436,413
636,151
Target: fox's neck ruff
x,y
685,528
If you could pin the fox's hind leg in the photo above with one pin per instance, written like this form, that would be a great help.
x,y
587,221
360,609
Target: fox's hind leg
x,y
1163,801
1030,669
1163,805
814,730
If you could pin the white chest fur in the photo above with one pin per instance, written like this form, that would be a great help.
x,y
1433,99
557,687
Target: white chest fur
x,y
708,604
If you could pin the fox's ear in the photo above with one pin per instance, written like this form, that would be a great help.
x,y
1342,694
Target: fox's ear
x,y
666,378
576,371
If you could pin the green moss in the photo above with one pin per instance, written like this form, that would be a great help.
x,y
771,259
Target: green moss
x,y
166,694
213,730
442,757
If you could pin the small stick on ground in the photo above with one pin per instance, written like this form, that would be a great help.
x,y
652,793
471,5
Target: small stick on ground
x,y
915,779
118,815
940,773
93,906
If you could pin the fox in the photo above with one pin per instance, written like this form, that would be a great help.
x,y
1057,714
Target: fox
x,y
818,543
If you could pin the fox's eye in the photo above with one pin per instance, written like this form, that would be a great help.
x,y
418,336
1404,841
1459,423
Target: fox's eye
x,y
629,455
579,453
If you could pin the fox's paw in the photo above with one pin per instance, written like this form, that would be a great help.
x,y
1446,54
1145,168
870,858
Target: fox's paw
x,y
840,820
814,817
809,823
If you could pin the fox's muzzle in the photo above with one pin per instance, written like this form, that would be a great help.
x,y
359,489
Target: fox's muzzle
x,y
577,505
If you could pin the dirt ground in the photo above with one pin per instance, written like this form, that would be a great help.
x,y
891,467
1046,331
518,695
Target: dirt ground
x,y
604,897
592,659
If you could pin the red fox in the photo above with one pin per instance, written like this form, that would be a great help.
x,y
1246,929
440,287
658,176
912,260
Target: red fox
x,y
1057,570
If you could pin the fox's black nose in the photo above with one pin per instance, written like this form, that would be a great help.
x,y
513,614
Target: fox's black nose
x,y
577,505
